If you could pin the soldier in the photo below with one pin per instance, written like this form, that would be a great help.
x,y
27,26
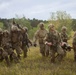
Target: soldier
x,y
64,35
53,40
16,40
25,40
40,35
3,54
7,46
74,45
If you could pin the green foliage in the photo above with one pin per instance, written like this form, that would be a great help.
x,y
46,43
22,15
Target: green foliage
x,y
1,25
61,18
74,24
31,32
23,22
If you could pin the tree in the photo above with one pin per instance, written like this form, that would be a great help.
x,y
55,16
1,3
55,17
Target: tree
x,y
61,18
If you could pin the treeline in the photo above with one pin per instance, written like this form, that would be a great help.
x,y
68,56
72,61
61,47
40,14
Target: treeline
x,y
33,22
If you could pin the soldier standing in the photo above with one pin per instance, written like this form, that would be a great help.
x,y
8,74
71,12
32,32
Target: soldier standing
x,y
25,40
7,46
40,35
16,40
64,37
53,40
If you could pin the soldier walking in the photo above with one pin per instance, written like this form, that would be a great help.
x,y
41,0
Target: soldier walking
x,y
53,40
40,35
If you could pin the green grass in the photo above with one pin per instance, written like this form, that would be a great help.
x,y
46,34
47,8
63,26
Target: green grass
x,y
35,64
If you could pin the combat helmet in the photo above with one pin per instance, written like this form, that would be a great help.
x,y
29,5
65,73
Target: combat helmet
x,y
41,24
25,29
5,33
50,26
14,28
64,28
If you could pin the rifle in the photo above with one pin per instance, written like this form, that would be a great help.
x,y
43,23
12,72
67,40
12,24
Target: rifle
x,y
66,47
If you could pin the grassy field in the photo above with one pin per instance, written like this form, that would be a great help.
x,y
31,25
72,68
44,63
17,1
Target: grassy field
x,y
35,64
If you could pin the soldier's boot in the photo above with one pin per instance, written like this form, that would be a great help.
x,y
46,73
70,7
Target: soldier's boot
x,y
15,58
7,61
75,58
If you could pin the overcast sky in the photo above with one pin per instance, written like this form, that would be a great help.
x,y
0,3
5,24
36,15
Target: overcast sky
x,y
39,9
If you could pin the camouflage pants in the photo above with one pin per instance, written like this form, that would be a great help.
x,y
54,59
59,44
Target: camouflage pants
x,y
3,56
74,48
59,51
47,48
24,48
18,49
11,54
44,50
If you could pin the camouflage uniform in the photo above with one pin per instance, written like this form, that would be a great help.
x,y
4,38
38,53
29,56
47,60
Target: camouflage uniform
x,y
64,35
74,45
25,40
53,40
4,55
40,35
7,46
16,38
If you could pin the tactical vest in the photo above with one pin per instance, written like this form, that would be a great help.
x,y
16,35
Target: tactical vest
x,y
64,37
53,38
14,36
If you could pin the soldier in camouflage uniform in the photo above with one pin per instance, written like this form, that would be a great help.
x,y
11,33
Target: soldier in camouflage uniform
x,y
25,40
7,46
64,37
74,45
16,39
3,53
53,40
40,35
